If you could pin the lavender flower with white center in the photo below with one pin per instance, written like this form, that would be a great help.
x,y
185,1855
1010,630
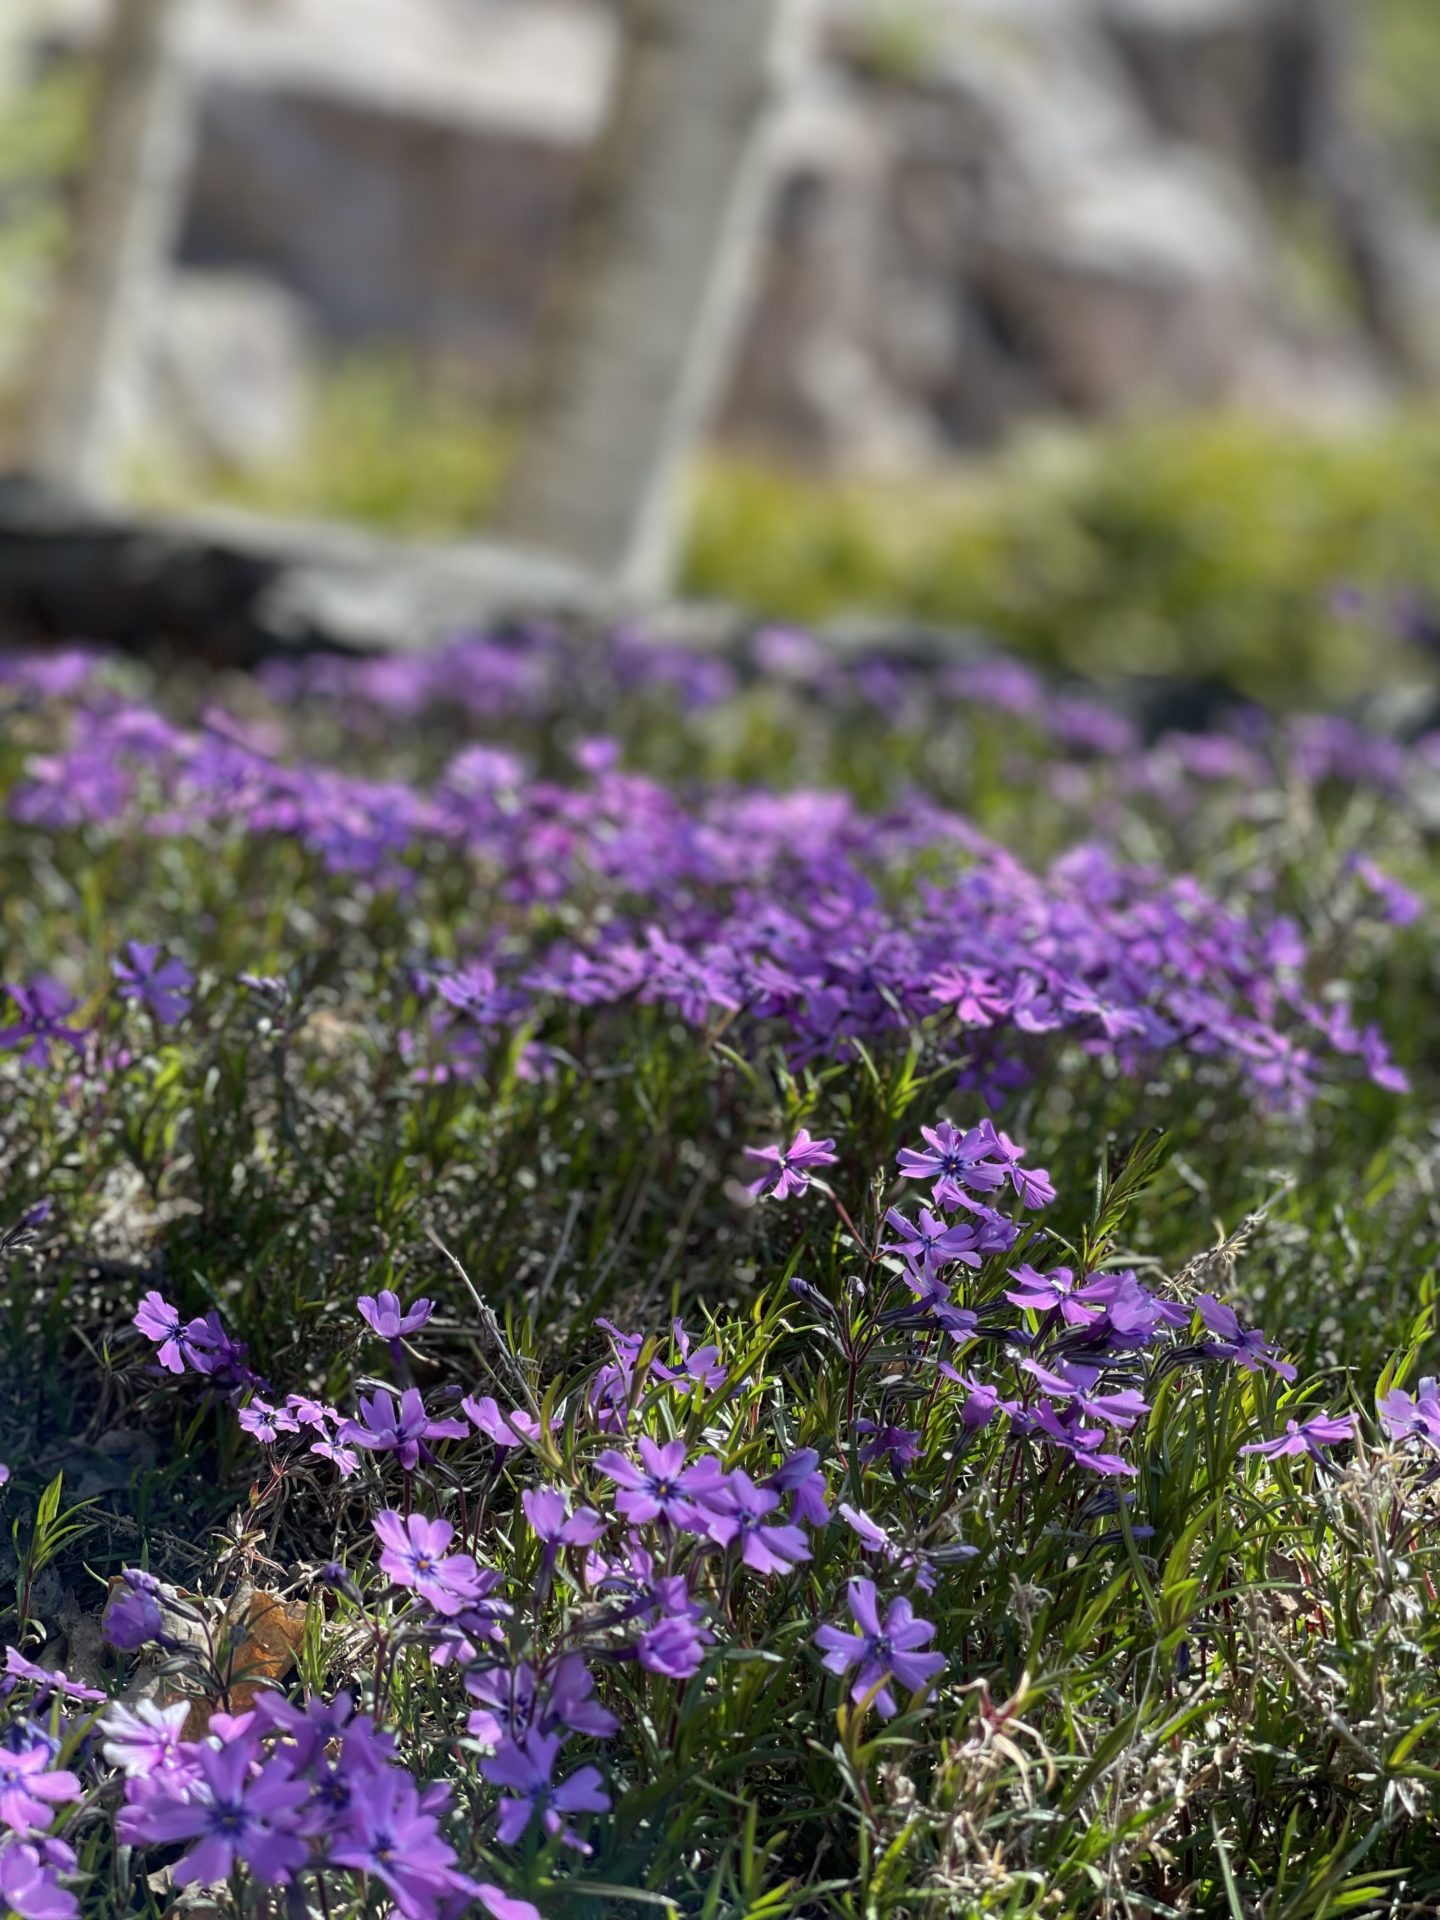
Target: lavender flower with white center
x,y
881,1650
266,1423
791,1166
148,1739
345,1460
414,1555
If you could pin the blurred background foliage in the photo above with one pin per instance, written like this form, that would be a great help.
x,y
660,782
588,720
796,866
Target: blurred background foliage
x,y
1222,547
1217,545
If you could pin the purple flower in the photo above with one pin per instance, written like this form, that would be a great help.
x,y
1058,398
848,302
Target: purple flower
x,y
161,1322
392,1832
414,1556
1067,1431
800,1475
29,1790
345,1460
386,1426
161,985
515,1700
661,1487
504,1906
740,1511
45,1680
525,1769
881,1650
43,1007
384,1315
1416,1416
1247,1347
1071,1381
1307,1436
953,1160
674,1647
791,1165
1046,1292
977,1001
899,1445
517,1429
200,1345
931,1244
132,1616
700,1368
148,1739
266,1423
231,1815
28,1885
548,1512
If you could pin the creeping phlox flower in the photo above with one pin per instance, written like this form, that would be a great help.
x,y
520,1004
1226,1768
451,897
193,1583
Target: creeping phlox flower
x,y
200,1345
881,1650
1412,1416
384,1314
157,981
414,1555
790,1167
640,1537
43,1008
1312,1436
760,906
284,1790
36,1862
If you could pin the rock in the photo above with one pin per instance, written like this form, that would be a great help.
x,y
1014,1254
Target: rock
x,y
232,370
1046,205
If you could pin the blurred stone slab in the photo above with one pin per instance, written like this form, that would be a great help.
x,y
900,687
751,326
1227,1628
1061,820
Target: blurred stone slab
x,y
543,68
232,589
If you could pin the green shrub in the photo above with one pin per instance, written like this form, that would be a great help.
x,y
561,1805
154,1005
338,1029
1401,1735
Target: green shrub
x,y
1203,548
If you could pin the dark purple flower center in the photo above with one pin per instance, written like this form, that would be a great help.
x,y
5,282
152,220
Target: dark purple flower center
x,y
229,1817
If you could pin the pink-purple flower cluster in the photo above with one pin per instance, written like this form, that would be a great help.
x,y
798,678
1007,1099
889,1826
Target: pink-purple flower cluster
x,y
794,914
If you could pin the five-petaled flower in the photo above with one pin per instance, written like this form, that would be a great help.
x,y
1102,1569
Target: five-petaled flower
x,y
384,1314
43,1007
160,983
790,1167
881,1650
401,1428
525,1769
1311,1436
415,1555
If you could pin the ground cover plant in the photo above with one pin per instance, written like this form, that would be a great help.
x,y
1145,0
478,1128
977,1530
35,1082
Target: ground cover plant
x,y
730,1286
